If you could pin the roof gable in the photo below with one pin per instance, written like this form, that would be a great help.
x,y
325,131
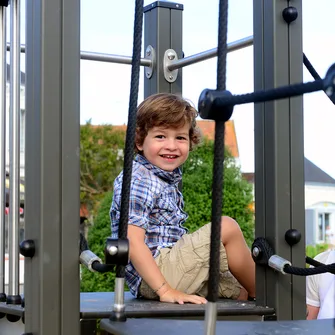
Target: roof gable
x,y
313,174
208,130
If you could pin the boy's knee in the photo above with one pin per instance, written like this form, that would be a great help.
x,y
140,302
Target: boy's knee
x,y
229,229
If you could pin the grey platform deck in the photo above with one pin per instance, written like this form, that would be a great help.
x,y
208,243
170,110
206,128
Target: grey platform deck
x,y
99,305
182,327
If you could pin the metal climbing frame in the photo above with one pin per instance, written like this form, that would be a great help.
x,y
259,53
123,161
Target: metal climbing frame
x,y
52,166
279,154
279,151
52,150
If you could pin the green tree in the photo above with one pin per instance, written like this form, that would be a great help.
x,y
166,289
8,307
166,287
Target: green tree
x,y
197,191
101,160
94,281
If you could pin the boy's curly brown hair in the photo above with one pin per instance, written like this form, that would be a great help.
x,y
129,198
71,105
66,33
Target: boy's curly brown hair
x,y
168,111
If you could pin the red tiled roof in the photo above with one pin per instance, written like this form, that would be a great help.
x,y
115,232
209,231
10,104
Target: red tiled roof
x,y
207,127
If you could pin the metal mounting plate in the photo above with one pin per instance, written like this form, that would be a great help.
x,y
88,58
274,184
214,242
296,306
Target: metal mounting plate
x,y
150,54
170,56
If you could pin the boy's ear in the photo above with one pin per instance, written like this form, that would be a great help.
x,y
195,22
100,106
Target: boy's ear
x,y
139,147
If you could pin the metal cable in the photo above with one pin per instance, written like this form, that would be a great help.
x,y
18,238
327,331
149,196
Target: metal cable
x,y
310,68
130,136
217,196
270,94
293,270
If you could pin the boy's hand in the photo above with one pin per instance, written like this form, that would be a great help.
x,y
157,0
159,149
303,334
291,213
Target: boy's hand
x,y
175,296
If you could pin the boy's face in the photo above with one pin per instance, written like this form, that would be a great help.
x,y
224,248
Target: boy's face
x,y
166,148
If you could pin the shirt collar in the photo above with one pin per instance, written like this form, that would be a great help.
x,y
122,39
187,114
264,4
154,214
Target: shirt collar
x,y
173,177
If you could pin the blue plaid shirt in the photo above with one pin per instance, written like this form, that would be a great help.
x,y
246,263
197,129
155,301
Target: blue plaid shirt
x,y
156,205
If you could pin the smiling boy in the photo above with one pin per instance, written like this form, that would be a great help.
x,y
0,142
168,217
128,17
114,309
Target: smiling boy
x,y
166,262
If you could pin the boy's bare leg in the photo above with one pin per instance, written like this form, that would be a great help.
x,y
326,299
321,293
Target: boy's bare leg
x,y
240,261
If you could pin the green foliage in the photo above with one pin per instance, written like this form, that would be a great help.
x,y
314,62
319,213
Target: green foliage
x,y
93,281
101,160
313,250
197,191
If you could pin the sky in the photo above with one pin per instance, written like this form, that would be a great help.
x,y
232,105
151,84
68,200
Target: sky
x,y
108,28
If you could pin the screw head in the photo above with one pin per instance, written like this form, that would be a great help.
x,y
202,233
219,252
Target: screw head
x,y
171,56
112,250
255,251
170,77
329,91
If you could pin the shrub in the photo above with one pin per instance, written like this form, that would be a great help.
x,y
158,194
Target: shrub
x,y
197,191
93,281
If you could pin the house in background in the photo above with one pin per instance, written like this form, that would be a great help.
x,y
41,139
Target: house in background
x,y
320,205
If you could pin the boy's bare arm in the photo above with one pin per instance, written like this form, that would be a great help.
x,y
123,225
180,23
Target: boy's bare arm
x,y
147,268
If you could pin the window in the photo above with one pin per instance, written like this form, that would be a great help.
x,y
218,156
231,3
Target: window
x,y
323,226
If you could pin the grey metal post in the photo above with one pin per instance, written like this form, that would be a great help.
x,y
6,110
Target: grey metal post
x,y
279,154
162,31
14,156
52,166
3,15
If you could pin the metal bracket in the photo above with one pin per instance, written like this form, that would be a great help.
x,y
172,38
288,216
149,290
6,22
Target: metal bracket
x,y
150,54
170,56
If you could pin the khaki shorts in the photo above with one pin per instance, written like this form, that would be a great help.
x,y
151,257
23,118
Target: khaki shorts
x,y
185,267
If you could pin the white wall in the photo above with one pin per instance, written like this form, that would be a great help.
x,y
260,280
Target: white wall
x,y
321,199
316,194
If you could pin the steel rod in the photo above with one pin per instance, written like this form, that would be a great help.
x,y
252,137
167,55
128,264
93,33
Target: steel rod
x,y
14,149
3,65
233,46
95,56
101,57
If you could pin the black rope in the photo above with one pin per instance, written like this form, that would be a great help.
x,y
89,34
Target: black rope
x,y
270,94
130,136
310,68
102,268
315,263
309,271
83,245
314,73
217,197
312,261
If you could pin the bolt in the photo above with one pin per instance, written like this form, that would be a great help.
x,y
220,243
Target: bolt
x,y
329,91
148,74
255,251
112,250
148,53
171,56
170,77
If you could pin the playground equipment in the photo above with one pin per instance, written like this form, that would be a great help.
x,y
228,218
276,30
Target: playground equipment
x,y
52,302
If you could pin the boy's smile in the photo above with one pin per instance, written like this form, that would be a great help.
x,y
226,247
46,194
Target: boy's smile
x,y
166,148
